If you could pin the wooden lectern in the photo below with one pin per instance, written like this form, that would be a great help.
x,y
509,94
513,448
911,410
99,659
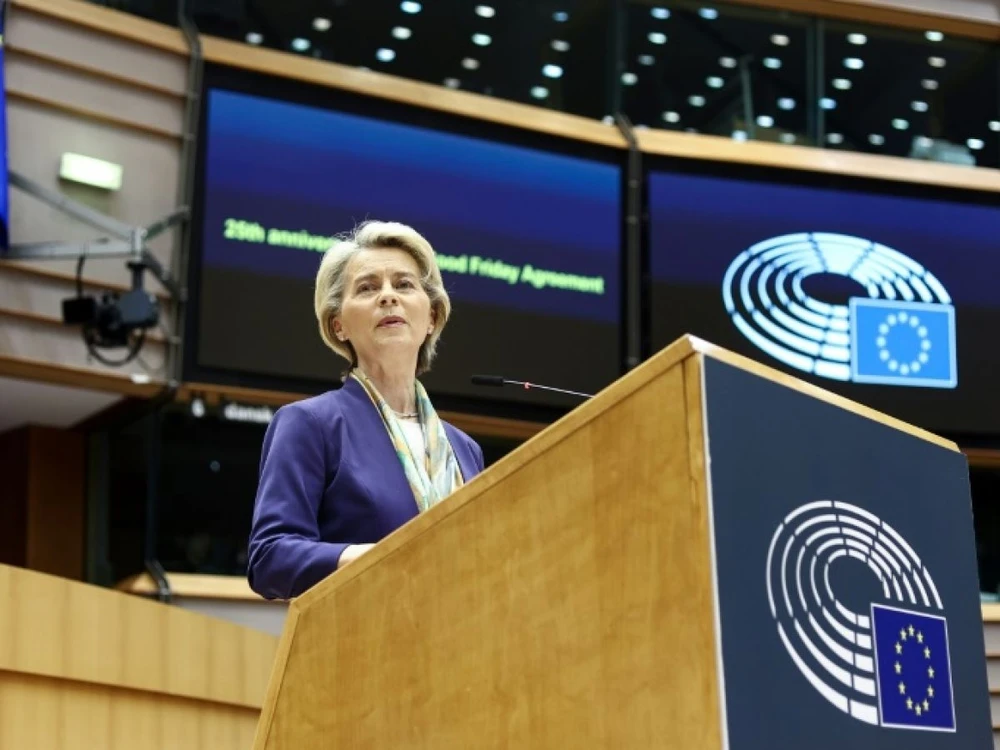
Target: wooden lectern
x,y
606,584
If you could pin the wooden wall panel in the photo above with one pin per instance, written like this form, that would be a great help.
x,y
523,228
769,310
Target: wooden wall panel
x,y
33,32
14,453
42,509
52,627
57,502
42,712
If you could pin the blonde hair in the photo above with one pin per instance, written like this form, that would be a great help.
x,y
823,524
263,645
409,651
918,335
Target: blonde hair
x,y
331,282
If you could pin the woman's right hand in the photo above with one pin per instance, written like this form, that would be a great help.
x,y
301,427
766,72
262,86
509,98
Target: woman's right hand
x,y
352,553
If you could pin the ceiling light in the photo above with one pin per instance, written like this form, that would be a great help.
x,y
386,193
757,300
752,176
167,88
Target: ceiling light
x,y
919,106
727,62
854,63
560,16
934,36
672,117
629,79
786,103
765,121
539,92
470,63
552,71
714,82
900,124
857,39
608,120
841,83
646,59
739,135
322,24
835,138
483,40
788,138
975,144
660,14
657,37
485,11
560,46
696,101
385,55
300,45
922,141
709,14
254,37
995,126
401,32
772,62
876,140
452,83
936,62
930,84
409,6
781,40
827,103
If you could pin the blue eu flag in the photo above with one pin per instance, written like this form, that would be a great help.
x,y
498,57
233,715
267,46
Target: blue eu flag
x,y
903,343
913,669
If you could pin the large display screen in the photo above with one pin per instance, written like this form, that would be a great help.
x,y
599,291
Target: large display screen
x,y
4,199
527,237
884,294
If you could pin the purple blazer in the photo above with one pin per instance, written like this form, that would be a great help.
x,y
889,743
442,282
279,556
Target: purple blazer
x,y
329,478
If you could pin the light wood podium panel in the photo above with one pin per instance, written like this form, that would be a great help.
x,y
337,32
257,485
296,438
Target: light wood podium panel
x,y
82,667
527,610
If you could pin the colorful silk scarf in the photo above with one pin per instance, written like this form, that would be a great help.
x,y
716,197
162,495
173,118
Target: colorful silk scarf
x,y
436,474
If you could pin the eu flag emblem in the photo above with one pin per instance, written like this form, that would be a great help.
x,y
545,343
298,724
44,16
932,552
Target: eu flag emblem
x,y
913,670
903,343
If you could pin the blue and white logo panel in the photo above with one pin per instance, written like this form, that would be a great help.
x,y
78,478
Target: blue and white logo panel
x,y
888,666
903,343
763,294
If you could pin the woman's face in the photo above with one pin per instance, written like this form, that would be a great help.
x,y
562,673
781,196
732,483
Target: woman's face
x,y
386,315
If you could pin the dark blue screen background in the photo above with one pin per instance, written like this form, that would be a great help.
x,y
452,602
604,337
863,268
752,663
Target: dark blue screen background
x,y
4,207
297,167
698,224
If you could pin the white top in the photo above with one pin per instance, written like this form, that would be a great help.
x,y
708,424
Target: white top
x,y
414,435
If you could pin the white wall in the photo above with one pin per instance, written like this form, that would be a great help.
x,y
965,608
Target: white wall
x,y
71,89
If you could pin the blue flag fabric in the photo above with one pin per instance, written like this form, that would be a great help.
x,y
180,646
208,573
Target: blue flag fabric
x,y
914,669
903,343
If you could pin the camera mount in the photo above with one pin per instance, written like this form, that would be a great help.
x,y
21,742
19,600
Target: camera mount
x,y
114,320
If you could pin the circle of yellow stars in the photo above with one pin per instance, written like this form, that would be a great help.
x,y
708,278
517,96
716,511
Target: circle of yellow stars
x,y
919,707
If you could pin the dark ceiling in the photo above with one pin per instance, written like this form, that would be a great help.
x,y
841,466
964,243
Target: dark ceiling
x,y
705,67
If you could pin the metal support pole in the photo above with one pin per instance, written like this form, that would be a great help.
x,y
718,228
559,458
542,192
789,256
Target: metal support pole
x,y
633,245
186,186
746,88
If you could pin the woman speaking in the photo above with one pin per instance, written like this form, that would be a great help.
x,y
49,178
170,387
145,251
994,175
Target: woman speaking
x,y
342,470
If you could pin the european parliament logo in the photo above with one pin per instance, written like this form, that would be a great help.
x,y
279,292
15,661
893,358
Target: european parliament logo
x,y
901,334
889,666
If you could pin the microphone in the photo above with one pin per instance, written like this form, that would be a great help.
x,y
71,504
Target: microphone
x,y
499,381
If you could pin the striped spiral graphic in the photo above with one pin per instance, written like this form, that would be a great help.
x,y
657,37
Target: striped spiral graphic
x,y
830,644
763,295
